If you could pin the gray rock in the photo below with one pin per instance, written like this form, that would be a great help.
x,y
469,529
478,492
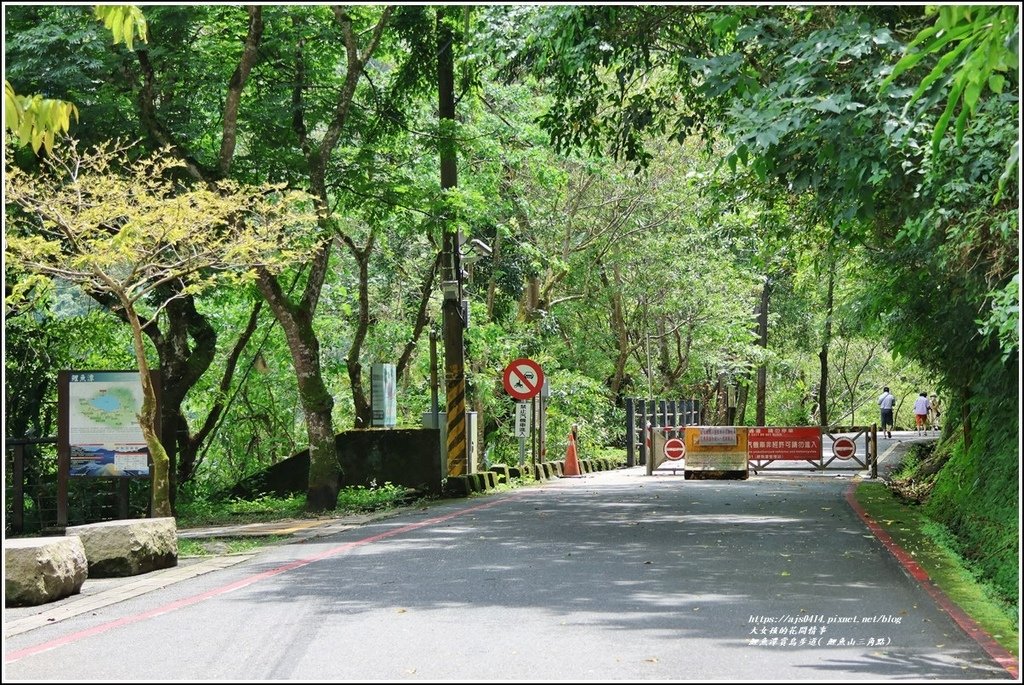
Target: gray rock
x,y
128,547
41,570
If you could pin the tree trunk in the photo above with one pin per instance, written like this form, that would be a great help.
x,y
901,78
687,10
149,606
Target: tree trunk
x,y
618,325
742,395
360,402
826,342
664,363
722,410
492,281
762,341
159,474
181,366
297,323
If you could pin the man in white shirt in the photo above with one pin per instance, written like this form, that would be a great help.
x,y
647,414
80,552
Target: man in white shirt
x,y
886,402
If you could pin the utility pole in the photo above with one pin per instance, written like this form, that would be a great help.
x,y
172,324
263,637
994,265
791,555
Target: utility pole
x,y
451,273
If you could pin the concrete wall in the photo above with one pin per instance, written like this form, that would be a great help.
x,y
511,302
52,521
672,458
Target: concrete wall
x,y
410,457
407,457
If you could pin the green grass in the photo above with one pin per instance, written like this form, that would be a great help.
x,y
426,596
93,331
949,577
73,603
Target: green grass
x,y
204,547
201,512
618,454
932,547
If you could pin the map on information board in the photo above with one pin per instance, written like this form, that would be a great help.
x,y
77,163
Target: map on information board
x,y
104,436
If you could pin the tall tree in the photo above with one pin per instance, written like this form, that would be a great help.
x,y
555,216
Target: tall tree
x,y
127,235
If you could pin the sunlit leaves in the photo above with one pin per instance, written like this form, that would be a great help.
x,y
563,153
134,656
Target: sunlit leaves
x,y
36,120
128,229
1003,318
124,21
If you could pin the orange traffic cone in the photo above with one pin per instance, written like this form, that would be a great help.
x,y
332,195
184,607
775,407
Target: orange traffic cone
x,y
572,464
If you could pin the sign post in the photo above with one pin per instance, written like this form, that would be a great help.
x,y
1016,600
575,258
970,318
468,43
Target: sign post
x,y
98,432
383,399
523,379
716,452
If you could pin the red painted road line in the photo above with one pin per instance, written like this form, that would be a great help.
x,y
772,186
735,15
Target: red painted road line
x,y
239,584
966,623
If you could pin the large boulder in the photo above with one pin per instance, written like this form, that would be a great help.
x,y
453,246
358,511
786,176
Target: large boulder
x,y
128,547
41,570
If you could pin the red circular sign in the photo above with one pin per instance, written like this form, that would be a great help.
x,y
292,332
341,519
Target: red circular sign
x,y
844,448
675,449
523,379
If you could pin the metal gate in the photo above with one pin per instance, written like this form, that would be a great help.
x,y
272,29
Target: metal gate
x,y
789,448
840,454
644,414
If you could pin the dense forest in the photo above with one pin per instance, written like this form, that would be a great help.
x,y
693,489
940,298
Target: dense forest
x,y
793,205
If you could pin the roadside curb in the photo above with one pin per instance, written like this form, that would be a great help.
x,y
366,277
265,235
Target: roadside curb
x,y
995,650
76,605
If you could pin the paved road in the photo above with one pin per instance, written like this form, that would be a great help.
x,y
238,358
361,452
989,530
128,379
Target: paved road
x,y
612,576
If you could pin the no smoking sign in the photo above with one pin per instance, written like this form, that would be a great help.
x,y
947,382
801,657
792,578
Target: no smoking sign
x,y
523,379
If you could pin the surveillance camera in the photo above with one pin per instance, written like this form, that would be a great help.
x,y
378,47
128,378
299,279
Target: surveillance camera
x,y
480,247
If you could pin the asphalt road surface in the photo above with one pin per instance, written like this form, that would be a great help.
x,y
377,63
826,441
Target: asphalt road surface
x,y
612,576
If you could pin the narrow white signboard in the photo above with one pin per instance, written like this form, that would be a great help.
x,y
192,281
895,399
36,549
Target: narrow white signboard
x,y
523,419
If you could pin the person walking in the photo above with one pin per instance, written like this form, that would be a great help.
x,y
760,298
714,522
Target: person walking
x,y
934,413
921,407
886,403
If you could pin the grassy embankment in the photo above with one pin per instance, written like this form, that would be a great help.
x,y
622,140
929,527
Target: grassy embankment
x,y
956,510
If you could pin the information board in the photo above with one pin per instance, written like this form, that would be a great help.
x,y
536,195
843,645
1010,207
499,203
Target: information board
x,y
383,395
103,433
716,448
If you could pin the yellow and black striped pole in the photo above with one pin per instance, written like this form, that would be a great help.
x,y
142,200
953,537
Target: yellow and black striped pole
x,y
451,309
456,414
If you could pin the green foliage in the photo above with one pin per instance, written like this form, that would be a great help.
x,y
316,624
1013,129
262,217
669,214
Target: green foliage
x,y
202,547
360,498
979,44
976,494
127,231
195,511
579,400
36,120
1003,321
